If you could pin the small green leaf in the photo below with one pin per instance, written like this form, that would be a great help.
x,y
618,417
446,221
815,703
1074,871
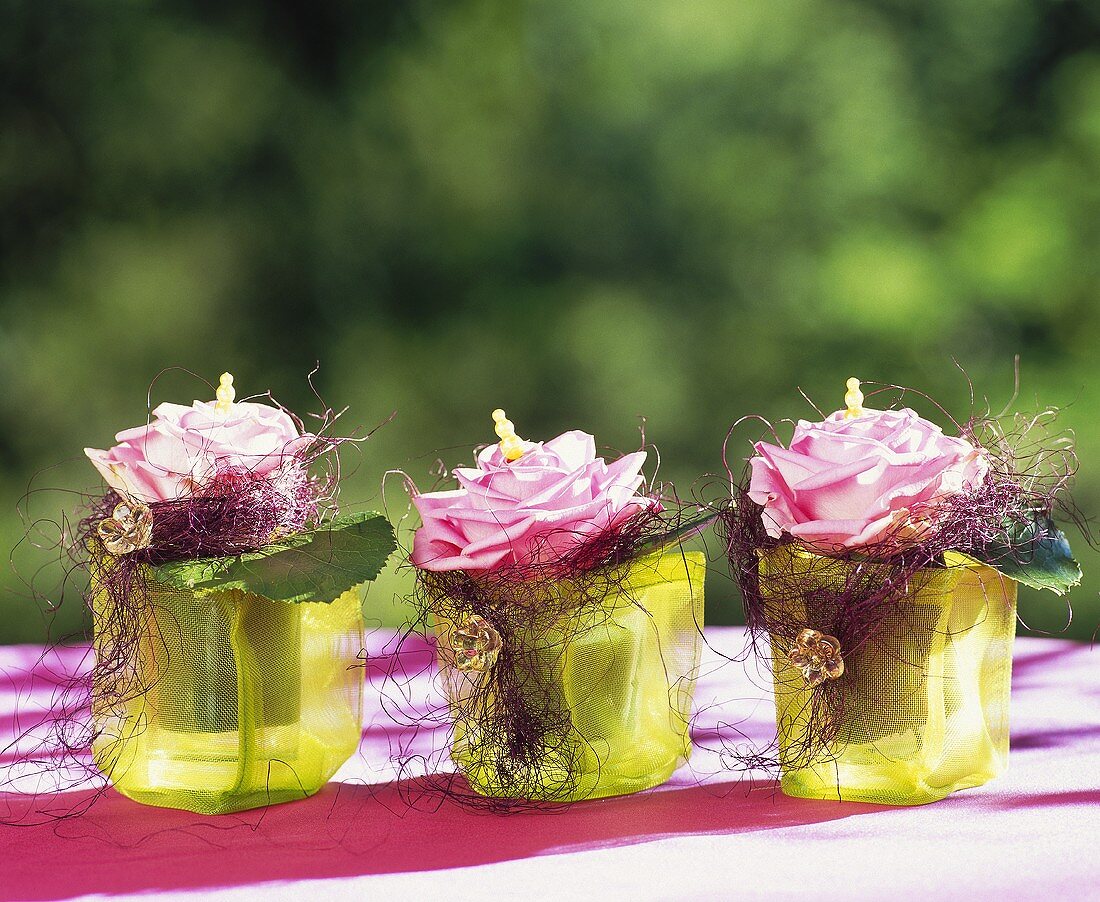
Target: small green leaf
x,y
680,534
1036,554
319,565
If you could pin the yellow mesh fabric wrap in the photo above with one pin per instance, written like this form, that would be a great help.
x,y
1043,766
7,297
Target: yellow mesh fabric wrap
x,y
926,706
625,677
235,701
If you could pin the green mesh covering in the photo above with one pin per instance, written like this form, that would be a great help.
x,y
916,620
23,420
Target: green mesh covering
x,y
925,701
624,678
233,701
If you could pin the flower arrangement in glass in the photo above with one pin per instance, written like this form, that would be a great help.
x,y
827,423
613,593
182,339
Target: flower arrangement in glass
x,y
567,620
878,560
226,601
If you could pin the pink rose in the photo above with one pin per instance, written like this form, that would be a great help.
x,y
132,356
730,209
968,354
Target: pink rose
x,y
533,509
844,483
185,446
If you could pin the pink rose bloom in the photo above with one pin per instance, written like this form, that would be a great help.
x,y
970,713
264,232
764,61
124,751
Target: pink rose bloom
x,y
186,446
551,499
844,483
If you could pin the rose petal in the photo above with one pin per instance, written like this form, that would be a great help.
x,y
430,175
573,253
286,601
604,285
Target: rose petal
x,y
843,482
184,445
552,498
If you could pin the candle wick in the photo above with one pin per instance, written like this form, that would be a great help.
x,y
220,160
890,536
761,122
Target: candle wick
x,y
854,399
225,394
511,445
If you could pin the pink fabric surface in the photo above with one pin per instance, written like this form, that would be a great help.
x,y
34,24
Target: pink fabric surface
x,y
705,834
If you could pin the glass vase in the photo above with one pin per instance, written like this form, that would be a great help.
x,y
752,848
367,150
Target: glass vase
x,y
621,677
924,699
226,701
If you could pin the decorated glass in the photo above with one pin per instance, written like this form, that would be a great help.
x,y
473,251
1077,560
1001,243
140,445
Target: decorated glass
x,y
878,560
567,620
226,598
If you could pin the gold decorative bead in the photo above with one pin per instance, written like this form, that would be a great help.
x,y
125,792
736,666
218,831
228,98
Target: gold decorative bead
x,y
817,656
476,644
129,528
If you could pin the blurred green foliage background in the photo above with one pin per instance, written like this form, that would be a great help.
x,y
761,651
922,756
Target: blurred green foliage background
x,y
584,212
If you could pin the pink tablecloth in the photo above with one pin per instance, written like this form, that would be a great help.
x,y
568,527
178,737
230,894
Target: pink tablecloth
x,y
706,834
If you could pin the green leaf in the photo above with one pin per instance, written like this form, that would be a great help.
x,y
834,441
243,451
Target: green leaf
x,y
318,565
1036,554
680,534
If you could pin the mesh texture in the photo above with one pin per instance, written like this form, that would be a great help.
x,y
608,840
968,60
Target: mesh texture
x,y
234,701
925,700
624,678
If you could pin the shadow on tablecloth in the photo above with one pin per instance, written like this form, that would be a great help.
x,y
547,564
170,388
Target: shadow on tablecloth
x,y
347,830
355,829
